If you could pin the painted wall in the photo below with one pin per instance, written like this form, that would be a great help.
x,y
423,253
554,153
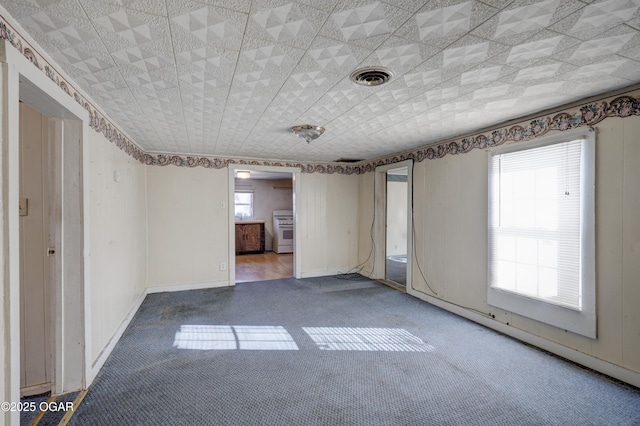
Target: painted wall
x,y
451,241
118,229
366,209
268,195
188,225
328,223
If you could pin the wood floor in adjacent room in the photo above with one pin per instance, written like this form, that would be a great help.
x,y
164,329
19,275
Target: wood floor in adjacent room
x,y
264,266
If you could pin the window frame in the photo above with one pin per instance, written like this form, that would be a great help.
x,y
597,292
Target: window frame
x,y
581,321
243,191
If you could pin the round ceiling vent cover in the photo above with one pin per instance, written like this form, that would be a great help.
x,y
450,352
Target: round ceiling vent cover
x,y
371,76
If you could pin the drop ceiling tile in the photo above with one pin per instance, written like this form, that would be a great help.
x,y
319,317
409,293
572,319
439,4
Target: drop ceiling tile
x,y
399,56
216,61
611,42
597,18
542,46
141,58
423,79
481,75
440,23
21,9
201,81
333,56
542,71
364,23
524,18
178,75
157,80
59,30
156,7
108,79
210,25
87,57
125,28
285,22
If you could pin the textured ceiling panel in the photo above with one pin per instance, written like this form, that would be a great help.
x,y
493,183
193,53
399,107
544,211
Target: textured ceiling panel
x,y
230,77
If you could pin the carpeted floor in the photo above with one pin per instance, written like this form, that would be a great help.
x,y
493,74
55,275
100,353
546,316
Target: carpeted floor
x,y
330,351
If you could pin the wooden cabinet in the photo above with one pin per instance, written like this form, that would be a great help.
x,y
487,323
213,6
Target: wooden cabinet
x,y
249,238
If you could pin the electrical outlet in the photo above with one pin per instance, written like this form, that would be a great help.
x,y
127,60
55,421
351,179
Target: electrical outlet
x,y
223,266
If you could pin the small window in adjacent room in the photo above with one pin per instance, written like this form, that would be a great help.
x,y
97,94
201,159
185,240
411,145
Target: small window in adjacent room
x,y
243,204
541,230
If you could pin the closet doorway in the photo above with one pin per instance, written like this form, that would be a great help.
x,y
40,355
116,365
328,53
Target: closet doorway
x,y
393,224
397,229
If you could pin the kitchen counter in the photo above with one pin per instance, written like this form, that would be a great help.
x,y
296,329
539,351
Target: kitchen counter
x,y
239,222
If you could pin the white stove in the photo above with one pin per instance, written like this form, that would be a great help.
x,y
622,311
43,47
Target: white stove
x,y
283,231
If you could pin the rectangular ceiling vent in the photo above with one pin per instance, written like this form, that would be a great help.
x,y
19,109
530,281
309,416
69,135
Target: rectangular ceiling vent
x,y
347,160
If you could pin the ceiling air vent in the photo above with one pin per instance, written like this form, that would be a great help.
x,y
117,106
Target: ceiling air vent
x,y
347,160
371,76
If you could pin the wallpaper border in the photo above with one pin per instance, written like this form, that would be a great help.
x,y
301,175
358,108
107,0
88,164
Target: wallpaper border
x,y
569,118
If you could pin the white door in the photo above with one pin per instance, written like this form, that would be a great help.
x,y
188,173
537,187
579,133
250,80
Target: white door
x,y
36,360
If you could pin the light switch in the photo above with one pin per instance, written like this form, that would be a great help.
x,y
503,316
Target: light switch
x,y
116,176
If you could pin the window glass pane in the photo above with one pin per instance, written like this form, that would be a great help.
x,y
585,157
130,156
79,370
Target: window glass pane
x,y
535,222
243,204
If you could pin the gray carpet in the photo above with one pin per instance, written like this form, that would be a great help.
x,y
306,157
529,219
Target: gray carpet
x,y
367,355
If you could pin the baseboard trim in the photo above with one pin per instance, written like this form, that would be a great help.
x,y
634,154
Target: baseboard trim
x,y
102,358
589,361
106,351
184,287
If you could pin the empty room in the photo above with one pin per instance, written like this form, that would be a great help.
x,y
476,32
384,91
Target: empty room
x,y
351,212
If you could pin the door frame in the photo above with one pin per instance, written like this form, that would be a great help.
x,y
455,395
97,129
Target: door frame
x,y
21,80
295,176
380,218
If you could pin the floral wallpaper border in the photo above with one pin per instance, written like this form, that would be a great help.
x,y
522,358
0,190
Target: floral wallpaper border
x,y
583,116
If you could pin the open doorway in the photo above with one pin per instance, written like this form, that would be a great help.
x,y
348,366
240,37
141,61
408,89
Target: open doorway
x,y
396,227
393,224
59,306
263,223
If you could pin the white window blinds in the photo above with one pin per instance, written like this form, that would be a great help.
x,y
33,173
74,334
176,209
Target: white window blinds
x,y
534,223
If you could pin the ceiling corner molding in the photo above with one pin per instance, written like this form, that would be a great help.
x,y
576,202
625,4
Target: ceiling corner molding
x,y
586,115
98,121
222,162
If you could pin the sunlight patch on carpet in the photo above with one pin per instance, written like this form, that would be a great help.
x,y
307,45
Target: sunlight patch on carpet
x,y
230,337
366,339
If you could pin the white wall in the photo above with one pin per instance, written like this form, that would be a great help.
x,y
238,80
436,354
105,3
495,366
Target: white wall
x,y
118,229
328,223
188,228
366,209
188,225
451,241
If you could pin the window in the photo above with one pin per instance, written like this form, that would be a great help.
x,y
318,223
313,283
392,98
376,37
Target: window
x,y
541,231
243,204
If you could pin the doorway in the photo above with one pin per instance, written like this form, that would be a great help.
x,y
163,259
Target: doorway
x,y
258,197
263,202
393,224
396,227
68,358
36,246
